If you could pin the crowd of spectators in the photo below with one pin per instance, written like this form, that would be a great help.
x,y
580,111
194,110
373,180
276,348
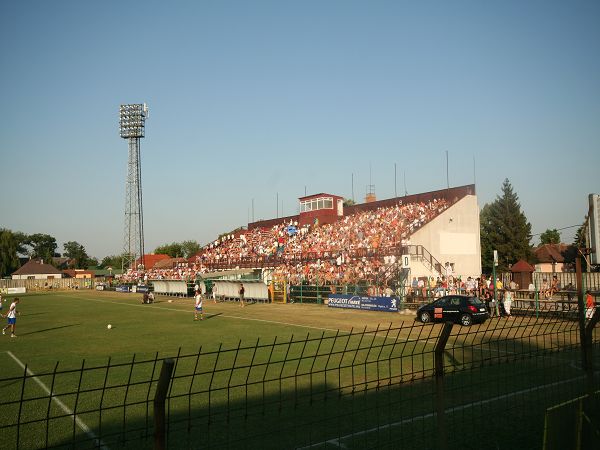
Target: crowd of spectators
x,y
370,230
448,285
351,249
181,271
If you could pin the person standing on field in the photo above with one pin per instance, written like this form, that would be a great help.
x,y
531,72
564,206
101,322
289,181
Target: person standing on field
x,y
241,292
507,301
12,318
198,306
590,305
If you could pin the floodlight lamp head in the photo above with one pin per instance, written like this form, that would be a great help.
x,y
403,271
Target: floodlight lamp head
x,y
132,119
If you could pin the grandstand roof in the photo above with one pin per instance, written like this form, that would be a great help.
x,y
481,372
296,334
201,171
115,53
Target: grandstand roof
x,y
450,194
151,259
169,263
320,194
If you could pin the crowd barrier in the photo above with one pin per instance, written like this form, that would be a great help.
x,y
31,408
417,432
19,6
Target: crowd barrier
x,y
170,287
253,290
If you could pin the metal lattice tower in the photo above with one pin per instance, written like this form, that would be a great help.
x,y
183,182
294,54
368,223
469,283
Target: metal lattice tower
x,y
131,125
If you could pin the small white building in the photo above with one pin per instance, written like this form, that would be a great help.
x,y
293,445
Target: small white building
x,y
35,269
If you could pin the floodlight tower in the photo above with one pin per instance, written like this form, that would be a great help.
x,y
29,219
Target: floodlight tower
x,y
131,126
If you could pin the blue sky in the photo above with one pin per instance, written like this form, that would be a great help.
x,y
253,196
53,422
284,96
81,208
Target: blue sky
x,y
264,99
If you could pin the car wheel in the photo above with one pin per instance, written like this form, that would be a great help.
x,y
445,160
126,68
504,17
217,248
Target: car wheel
x,y
466,320
425,317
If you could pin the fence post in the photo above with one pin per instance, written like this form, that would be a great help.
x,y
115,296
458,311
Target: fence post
x,y
159,403
537,298
318,294
588,351
581,313
440,346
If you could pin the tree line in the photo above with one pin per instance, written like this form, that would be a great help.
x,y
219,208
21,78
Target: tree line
x,y
15,245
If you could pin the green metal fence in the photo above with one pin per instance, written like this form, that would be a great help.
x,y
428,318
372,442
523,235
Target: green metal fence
x,y
407,386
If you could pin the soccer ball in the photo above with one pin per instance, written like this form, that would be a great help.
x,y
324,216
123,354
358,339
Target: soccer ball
x,y
109,326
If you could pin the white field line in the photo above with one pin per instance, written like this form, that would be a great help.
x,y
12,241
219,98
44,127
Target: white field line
x,y
336,441
219,315
230,317
65,408
190,312
166,308
394,338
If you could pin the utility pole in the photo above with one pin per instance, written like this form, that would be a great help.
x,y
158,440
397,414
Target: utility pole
x,y
447,172
395,185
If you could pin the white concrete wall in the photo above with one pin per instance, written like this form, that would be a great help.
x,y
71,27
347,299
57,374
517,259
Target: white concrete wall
x,y
37,276
547,267
453,236
417,269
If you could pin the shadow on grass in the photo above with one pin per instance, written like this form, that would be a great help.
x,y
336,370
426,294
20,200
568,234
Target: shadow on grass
x,y
361,399
50,329
211,316
323,416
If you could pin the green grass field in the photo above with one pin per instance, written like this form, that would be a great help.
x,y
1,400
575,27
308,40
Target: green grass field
x,y
245,374
70,326
68,330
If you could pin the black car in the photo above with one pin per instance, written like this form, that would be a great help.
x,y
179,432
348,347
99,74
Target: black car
x,y
455,308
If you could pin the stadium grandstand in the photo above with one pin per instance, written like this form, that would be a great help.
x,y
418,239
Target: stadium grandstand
x,y
433,234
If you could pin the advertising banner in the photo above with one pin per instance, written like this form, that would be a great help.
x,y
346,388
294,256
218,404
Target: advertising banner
x,y
16,290
389,304
122,289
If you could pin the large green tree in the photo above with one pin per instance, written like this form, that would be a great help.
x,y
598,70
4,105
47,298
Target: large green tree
x,y
42,246
76,251
504,228
9,249
550,237
112,261
174,250
183,249
190,248
579,240
573,251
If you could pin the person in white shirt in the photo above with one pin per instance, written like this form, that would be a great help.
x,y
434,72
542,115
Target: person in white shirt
x,y
12,318
198,306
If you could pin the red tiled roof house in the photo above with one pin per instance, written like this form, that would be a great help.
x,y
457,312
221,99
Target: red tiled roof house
x,y
35,269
